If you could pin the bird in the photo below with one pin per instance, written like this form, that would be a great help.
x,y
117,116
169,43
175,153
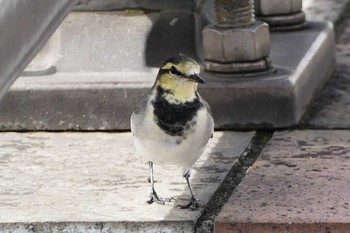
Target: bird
x,y
172,123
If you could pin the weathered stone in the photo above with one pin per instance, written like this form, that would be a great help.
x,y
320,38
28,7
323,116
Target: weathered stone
x,y
299,184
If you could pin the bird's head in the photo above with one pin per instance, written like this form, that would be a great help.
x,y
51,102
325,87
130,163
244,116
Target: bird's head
x,y
179,75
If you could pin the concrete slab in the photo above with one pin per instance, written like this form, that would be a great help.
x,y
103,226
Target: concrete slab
x,y
300,183
92,182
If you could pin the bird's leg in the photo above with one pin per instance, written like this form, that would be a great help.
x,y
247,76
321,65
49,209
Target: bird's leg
x,y
193,203
153,195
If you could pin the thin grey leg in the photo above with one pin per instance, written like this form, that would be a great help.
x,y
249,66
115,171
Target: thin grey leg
x,y
193,203
153,195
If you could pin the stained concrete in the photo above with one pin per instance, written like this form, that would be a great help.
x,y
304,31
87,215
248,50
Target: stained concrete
x,y
330,10
93,182
300,183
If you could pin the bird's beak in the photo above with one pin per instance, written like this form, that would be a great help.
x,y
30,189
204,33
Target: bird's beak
x,y
196,78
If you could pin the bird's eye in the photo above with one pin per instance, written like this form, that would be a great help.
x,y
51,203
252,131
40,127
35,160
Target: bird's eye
x,y
173,70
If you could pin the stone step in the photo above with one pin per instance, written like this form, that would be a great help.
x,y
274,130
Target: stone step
x,y
93,182
300,183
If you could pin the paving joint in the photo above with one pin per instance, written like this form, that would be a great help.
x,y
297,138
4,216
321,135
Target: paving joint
x,y
205,222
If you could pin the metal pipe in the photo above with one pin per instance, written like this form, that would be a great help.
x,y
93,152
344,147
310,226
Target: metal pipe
x,y
25,26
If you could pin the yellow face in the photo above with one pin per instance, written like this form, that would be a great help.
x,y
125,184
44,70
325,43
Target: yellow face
x,y
177,78
187,68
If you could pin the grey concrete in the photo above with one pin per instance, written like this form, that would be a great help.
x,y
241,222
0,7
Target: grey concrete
x,y
93,182
300,183
25,26
98,78
325,9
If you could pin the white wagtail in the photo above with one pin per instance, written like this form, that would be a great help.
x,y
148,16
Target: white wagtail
x,y
172,124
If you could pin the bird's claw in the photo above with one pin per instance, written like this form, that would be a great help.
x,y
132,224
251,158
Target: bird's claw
x,y
159,200
192,205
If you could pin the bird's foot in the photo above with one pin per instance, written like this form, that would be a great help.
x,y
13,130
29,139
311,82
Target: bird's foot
x,y
192,204
159,200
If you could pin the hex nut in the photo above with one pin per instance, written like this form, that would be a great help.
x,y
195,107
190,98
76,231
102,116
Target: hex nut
x,y
236,44
277,7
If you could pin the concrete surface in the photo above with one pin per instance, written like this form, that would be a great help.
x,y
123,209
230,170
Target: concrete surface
x,y
331,10
92,182
300,183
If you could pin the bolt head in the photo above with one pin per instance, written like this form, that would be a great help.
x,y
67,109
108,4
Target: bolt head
x,y
277,7
236,44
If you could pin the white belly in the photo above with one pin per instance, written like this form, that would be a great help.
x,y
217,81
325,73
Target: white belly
x,y
161,148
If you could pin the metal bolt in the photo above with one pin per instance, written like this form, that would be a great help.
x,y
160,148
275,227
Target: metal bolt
x,y
236,43
234,13
281,14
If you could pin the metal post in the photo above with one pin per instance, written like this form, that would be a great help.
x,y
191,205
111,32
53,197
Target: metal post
x,y
237,43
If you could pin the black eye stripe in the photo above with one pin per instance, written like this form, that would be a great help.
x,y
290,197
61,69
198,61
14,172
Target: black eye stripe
x,y
173,70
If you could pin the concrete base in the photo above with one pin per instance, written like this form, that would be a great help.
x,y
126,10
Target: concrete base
x,y
96,78
303,61
93,182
